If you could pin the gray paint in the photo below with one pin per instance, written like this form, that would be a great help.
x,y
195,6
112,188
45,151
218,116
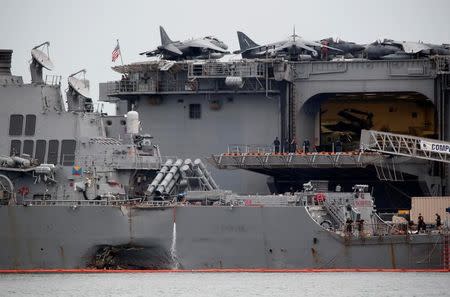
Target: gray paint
x,y
207,237
66,230
311,79
214,131
251,118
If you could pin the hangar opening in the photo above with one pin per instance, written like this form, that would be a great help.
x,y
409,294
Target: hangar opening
x,y
341,116
334,121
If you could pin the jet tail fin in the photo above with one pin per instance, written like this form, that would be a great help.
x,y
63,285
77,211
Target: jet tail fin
x,y
165,40
245,42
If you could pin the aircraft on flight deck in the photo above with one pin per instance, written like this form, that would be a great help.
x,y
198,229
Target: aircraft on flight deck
x,y
207,47
294,48
389,49
347,48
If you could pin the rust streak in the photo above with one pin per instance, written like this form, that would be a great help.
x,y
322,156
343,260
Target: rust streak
x,y
63,257
394,266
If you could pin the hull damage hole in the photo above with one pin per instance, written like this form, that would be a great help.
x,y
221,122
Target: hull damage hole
x,y
131,257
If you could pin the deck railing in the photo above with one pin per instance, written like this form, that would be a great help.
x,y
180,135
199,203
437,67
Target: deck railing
x,y
130,86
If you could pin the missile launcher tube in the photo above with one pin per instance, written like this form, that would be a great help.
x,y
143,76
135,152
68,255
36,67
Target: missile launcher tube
x,y
206,173
188,162
159,177
185,171
199,173
162,186
172,183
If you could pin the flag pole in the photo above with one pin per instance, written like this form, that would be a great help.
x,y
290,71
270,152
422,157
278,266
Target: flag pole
x,y
120,52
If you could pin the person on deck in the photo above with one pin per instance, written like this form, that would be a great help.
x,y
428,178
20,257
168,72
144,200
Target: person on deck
x,y
306,145
349,227
420,223
361,228
276,144
293,147
286,146
438,221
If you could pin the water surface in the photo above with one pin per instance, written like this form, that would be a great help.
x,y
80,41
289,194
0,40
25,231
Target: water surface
x,y
228,284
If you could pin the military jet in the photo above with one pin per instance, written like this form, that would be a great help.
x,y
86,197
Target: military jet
x,y
389,49
294,48
420,48
347,48
436,49
201,48
377,50
353,121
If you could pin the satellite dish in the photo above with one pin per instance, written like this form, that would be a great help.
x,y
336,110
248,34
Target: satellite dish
x,y
42,58
80,86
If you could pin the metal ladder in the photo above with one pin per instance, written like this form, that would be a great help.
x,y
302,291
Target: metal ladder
x,y
334,211
402,145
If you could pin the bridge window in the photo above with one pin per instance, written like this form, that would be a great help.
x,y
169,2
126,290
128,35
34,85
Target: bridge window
x,y
41,146
53,147
15,124
30,124
195,111
28,146
15,147
68,152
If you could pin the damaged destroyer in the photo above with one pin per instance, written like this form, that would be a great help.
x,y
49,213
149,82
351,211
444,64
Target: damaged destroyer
x,y
73,197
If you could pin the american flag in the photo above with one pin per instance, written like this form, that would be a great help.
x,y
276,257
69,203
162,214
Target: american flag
x,y
116,52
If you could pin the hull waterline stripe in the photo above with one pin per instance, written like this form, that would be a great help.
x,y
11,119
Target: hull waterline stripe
x,y
222,270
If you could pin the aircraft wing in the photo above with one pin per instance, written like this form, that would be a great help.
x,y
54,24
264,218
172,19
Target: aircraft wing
x,y
263,49
413,47
408,47
286,45
312,43
201,43
172,49
168,47
247,50
305,46
151,53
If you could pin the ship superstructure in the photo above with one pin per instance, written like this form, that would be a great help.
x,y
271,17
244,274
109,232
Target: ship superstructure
x,y
212,107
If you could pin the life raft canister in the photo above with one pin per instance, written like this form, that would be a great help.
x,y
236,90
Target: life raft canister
x,y
23,191
319,197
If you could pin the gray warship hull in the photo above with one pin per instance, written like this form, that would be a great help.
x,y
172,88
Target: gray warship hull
x,y
197,237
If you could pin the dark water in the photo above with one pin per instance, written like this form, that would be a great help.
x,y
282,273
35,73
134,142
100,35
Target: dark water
x,y
227,284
